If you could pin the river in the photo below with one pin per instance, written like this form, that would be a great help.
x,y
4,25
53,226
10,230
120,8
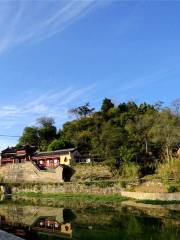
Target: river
x,y
33,221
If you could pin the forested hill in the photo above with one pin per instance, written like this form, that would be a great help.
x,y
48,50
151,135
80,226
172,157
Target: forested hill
x,y
142,134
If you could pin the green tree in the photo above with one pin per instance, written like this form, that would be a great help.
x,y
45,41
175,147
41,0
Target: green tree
x,y
58,144
82,111
127,153
46,131
166,132
30,136
106,105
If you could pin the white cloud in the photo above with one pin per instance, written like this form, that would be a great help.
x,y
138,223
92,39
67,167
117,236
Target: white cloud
x,y
13,118
22,21
53,104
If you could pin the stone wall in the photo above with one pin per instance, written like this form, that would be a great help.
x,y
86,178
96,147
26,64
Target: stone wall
x,y
84,172
67,187
152,196
27,172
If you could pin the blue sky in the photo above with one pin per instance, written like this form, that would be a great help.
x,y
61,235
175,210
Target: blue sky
x,y
55,55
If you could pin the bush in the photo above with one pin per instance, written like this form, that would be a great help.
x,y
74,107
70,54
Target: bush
x,y
172,189
123,184
1,178
170,174
169,169
130,171
111,164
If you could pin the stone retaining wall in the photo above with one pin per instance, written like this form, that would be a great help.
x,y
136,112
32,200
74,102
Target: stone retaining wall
x,y
27,172
71,187
152,196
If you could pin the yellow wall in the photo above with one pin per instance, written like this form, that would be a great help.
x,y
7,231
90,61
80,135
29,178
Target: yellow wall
x,y
65,159
66,229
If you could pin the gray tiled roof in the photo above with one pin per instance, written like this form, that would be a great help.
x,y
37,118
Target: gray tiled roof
x,y
57,152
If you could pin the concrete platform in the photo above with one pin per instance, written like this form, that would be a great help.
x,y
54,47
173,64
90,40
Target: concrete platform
x,y
8,236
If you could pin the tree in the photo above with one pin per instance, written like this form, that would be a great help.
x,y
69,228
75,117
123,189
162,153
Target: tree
x,y
30,136
111,139
122,107
129,133
158,105
80,133
176,106
106,105
82,111
45,122
127,153
58,144
166,132
144,123
46,131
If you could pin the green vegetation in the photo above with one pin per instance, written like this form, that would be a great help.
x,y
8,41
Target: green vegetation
x,y
170,174
157,202
169,169
130,171
89,198
134,140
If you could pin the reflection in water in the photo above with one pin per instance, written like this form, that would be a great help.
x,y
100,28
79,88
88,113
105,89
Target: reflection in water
x,y
55,223
31,221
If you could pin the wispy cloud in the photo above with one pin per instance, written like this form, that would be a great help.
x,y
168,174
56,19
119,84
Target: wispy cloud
x,y
13,118
22,21
50,103
148,79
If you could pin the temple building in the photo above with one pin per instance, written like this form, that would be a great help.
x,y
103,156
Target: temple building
x,y
28,165
53,159
43,160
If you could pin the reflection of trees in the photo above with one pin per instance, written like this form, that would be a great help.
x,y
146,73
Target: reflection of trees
x,y
126,223
35,219
135,224
68,215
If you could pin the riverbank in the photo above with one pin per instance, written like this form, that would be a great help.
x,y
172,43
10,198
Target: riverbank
x,y
79,200
90,191
69,200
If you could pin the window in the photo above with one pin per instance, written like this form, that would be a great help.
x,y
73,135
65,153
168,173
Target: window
x,y
41,162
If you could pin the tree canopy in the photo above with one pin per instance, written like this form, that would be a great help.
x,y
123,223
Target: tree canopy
x,y
143,134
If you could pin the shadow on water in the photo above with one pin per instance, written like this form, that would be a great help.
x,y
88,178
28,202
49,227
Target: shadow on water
x,y
40,222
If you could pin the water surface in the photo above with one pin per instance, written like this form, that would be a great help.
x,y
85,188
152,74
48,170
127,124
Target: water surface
x,y
37,222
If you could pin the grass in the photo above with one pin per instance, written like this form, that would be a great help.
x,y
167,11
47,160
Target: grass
x,y
76,197
158,202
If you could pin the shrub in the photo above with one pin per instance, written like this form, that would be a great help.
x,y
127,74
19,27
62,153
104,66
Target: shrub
x,y
170,174
1,178
172,189
130,171
127,154
169,169
111,164
123,184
